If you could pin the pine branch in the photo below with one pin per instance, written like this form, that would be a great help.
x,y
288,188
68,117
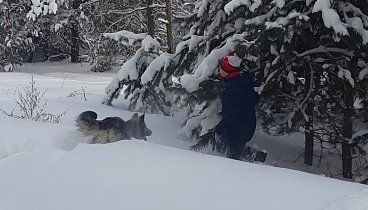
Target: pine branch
x,y
205,140
324,49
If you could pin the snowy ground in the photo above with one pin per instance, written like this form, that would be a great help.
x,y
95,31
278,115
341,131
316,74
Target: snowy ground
x,y
48,166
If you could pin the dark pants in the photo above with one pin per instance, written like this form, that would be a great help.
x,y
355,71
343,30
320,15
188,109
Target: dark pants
x,y
235,139
236,149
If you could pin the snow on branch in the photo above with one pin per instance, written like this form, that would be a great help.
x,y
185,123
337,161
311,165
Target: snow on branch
x,y
41,7
330,17
280,3
283,21
126,37
344,73
207,67
192,43
259,20
233,4
201,7
324,49
348,7
163,61
129,70
208,119
363,73
213,28
356,23
150,44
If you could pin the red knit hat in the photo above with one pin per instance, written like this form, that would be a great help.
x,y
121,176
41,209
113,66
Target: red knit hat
x,y
230,63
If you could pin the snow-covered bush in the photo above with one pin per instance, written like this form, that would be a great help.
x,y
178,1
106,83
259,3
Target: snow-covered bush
x,y
32,105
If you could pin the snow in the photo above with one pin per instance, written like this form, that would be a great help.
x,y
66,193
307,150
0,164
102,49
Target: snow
x,y
31,16
191,43
150,44
128,70
363,73
44,8
330,17
49,166
283,21
207,67
357,201
233,4
126,37
259,20
8,67
273,50
344,73
113,85
212,28
308,2
208,119
52,7
155,66
280,3
202,8
58,26
255,5
141,175
291,77
358,103
189,82
356,23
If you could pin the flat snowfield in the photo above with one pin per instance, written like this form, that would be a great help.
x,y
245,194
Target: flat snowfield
x,y
48,166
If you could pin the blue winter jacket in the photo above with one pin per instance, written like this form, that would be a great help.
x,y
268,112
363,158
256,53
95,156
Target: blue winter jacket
x,y
238,110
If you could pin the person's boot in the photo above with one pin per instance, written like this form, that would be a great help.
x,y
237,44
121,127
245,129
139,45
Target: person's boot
x,y
251,154
261,156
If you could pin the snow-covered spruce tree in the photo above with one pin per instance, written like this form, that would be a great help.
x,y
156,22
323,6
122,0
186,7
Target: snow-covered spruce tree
x,y
128,16
139,75
211,36
234,26
13,33
213,33
301,49
64,26
155,78
111,17
285,44
338,83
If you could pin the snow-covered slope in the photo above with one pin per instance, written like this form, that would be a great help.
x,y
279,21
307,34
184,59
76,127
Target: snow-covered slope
x,y
142,175
47,166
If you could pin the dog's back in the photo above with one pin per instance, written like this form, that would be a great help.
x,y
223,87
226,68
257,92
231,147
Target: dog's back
x,y
102,131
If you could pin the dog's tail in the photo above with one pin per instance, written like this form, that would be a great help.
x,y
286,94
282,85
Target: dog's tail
x,y
87,123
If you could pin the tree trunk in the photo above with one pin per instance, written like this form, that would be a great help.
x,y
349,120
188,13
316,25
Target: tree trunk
x,y
347,160
74,52
170,39
309,129
150,19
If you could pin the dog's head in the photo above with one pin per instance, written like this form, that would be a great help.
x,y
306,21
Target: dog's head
x,y
137,127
